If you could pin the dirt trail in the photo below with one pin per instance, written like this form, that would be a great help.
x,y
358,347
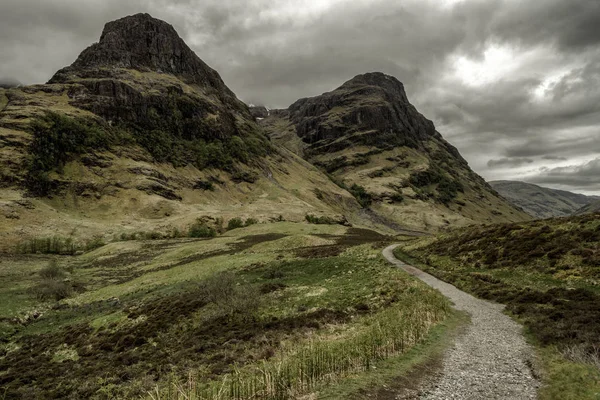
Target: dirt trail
x,y
491,360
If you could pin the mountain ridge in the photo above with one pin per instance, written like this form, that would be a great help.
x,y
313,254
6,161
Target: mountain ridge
x,y
368,136
539,201
148,137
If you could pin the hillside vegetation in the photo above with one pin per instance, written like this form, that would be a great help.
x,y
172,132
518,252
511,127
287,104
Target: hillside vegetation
x,y
546,272
299,305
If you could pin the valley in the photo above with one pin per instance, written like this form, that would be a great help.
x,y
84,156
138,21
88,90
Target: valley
x,y
161,239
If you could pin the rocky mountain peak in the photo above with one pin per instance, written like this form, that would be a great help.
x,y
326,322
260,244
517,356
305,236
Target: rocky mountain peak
x,y
388,83
143,43
370,109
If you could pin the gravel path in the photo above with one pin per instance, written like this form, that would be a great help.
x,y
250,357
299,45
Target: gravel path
x,y
489,361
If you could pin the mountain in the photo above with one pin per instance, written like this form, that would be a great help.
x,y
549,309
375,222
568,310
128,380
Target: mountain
x,y
370,139
541,202
593,207
140,135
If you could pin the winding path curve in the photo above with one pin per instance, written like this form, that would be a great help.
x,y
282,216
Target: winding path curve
x,y
489,361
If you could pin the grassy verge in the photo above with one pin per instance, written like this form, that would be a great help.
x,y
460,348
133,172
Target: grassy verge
x,y
154,312
394,376
552,289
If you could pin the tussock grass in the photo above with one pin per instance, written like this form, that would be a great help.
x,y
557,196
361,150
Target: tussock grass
x,y
387,334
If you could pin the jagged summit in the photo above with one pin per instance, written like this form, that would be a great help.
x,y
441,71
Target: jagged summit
x,y
388,83
369,109
143,43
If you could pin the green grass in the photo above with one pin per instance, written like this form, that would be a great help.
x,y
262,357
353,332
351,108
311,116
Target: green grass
x,y
154,311
408,367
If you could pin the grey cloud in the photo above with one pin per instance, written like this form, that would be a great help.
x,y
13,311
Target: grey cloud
x,y
273,52
509,162
585,176
554,158
570,24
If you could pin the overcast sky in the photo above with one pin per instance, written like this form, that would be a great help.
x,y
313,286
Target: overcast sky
x,y
514,84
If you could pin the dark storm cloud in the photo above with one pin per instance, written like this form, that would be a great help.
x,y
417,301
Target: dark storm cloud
x,y
572,24
585,176
555,158
543,99
509,162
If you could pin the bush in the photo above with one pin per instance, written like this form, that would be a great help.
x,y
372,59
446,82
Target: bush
x,y
52,271
361,195
244,176
94,243
53,284
250,221
53,289
235,223
322,220
397,198
200,230
231,298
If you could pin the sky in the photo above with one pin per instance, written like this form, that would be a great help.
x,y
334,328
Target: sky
x,y
514,85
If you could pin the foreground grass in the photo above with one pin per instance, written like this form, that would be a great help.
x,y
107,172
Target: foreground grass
x,y
548,274
283,297
404,372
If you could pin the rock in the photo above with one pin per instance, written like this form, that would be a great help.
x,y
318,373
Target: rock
x,y
259,112
373,103
104,83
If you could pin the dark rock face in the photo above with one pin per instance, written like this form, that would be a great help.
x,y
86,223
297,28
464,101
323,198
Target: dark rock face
x,y
259,111
106,83
370,109
146,44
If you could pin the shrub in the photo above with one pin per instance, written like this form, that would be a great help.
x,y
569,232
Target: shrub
x,y
52,271
397,198
204,185
251,221
94,243
200,230
361,195
231,298
53,289
244,176
322,220
235,223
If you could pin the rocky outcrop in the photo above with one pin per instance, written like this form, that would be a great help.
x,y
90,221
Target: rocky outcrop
x,y
259,111
144,43
370,109
176,91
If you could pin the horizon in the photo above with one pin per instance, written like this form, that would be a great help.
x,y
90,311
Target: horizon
x,y
520,103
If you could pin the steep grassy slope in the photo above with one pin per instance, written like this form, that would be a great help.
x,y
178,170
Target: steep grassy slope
x,y
148,313
369,138
140,135
541,202
548,274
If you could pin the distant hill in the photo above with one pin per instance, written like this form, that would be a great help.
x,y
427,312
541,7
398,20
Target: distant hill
x,y
369,138
590,208
541,202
